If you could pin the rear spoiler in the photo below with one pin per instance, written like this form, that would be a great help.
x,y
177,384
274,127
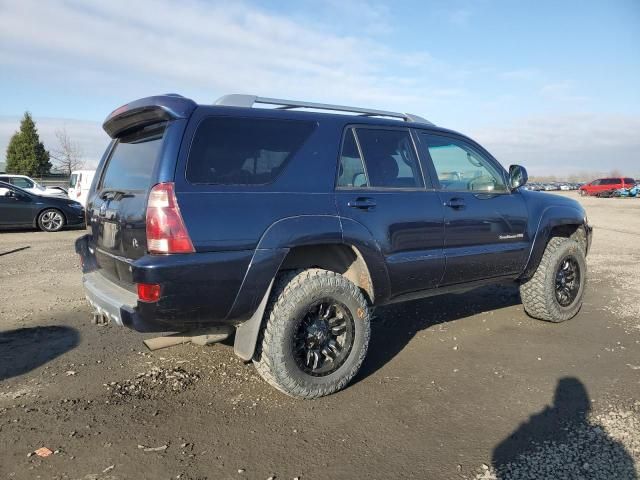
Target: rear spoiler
x,y
147,111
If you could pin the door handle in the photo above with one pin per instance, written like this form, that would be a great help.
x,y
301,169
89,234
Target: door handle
x,y
455,203
362,203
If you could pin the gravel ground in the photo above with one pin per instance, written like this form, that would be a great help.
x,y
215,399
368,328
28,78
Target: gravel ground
x,y
454,387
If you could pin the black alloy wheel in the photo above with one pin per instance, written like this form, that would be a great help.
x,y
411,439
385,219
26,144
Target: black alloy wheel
x,y
324,338
567,281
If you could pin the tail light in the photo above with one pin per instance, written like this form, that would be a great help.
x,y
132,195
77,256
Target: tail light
x,y
166,232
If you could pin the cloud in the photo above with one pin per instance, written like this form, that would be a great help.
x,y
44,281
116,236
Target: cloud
x,y
209,47
460,17
89,136
559,145
562,91
98,55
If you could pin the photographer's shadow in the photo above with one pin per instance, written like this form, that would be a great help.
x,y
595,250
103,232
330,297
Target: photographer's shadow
x,y
562,442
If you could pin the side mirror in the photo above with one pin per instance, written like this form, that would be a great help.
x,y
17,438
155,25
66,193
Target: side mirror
x,y
517,176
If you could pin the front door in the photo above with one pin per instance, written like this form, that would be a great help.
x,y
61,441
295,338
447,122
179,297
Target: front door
x,y
16,208
386,193
485,223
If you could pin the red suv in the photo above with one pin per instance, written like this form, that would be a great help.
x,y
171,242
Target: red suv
x,y
605,184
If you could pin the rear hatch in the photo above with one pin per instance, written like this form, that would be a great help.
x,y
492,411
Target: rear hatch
x,y
144,137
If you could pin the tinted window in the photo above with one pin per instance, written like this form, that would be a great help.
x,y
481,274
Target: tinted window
x,y
610,181
132,161
22,182
244,151
351,172
629,181
460,167
389,157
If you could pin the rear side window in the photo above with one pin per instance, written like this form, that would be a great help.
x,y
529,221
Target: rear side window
x,y
244,151
629,181
351,173
390,158
132,161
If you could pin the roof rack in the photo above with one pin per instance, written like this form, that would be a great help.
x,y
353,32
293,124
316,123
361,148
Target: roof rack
x,y
248,101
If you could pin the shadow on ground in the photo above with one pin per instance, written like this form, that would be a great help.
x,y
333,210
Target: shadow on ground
x,y
562,441
25,349
15,250
395,325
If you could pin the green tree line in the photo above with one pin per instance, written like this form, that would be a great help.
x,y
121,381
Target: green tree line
x,y
26,154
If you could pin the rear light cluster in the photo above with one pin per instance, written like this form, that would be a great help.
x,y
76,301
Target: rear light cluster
x,y
166,232
149,292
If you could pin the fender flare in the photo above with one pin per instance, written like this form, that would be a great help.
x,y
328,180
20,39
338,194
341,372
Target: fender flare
x,y
252,299
551,217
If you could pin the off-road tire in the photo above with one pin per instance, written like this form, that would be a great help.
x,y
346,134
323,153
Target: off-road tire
x,y
538,294
293,292
51,220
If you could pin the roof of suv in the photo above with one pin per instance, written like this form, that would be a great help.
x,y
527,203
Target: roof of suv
x,y
173,106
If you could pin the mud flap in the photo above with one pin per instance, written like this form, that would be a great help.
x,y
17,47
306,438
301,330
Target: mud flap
x,y
244,345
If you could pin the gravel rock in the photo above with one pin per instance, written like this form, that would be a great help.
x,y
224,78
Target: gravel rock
x,y
155,382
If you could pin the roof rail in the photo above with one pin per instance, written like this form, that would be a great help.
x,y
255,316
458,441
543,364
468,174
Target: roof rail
x,y
248,101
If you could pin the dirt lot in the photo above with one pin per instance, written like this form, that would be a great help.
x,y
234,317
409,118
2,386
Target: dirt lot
x,y
459,386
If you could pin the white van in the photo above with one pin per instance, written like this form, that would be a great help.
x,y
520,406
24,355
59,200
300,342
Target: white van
x,y
79,185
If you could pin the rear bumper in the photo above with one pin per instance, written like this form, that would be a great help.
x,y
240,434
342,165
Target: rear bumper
x,y
109,300
197,290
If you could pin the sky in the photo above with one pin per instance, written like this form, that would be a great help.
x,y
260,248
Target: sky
x,y
554,86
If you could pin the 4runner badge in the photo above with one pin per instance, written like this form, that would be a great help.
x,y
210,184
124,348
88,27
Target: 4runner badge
x,y
508,237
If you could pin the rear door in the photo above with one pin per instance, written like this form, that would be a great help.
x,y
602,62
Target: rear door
x,y
117,210
381,186
485,223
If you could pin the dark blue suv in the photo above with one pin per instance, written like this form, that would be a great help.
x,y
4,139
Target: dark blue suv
x,y
289,223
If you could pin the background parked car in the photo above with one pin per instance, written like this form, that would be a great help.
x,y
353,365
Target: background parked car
x,y
21,208
79,185
604,184
30,185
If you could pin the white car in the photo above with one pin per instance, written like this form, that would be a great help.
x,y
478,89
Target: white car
x,y
30,185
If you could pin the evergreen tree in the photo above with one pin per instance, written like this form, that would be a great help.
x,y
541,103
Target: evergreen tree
x,y
26,154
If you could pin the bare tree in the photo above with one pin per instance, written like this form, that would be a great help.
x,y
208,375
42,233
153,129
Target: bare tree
x,y
68,157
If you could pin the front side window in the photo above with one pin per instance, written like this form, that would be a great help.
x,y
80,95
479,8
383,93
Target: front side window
x,y
390,158
629,181
461,168
244,151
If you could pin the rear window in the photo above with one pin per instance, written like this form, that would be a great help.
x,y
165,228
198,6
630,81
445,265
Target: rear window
x,y
73,180
244,151
132,161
